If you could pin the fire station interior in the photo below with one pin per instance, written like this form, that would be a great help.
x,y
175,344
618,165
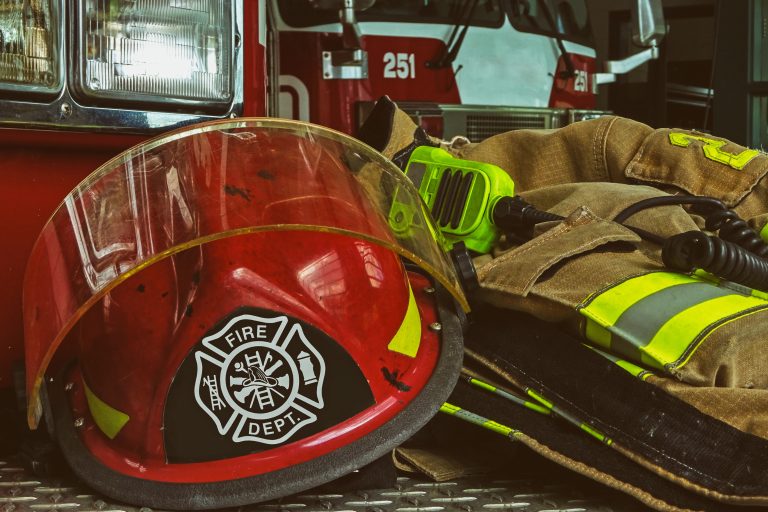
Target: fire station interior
x,y
676,88
696,58
240,271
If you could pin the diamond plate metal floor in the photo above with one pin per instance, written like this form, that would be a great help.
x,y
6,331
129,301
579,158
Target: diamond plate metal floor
x,y
21,491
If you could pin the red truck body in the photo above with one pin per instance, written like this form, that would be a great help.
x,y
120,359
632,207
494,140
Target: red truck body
x,y
49,144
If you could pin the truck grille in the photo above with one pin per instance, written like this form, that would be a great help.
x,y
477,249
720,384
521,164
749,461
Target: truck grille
x,y
478,122
481,127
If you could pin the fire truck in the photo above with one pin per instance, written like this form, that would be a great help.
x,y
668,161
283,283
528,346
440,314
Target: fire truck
x,y
457,66
473,67
83,80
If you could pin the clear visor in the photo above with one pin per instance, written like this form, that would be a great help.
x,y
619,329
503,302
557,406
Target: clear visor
x,y
204,183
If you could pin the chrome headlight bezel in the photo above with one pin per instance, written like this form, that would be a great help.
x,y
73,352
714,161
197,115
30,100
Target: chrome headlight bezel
x,y
29,23
148,47
69,108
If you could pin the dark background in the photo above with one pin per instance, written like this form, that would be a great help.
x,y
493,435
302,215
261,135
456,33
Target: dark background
x,y
710,75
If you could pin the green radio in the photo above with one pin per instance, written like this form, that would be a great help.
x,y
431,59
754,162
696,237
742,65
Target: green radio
x,y
461,195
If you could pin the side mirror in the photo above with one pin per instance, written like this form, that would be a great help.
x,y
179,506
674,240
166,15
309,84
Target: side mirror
x,y
350,62
648,25
648,29
347,9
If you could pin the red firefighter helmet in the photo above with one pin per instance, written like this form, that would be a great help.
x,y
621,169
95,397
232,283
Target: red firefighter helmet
x,y
223,315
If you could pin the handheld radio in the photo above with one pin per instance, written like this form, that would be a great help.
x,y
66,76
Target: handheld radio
x,y
460,194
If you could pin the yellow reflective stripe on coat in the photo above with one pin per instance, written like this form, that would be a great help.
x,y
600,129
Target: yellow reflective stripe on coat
x,y
606,307
738,288
408,336
107,418
660,319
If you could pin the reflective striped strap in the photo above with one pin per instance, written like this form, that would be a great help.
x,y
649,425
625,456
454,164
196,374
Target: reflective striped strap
x,y
478,420
633,369
660,319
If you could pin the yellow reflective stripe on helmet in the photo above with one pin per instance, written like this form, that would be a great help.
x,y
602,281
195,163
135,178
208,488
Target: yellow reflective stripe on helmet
x,y
659,319
107,418
408,337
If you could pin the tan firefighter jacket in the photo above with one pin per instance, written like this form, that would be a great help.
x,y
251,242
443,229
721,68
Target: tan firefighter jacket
x,y
693,341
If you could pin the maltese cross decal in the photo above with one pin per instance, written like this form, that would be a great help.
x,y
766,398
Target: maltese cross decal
x,y
259,379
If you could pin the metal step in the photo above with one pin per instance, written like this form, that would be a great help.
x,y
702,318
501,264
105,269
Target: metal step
x,y
21,491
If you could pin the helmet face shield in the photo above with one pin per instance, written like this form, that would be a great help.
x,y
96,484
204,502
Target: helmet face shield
x,y
225,313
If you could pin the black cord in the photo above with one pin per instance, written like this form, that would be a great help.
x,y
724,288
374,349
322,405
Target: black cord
x,y
718,217
654,202
737,255
513,213
733,228
695,249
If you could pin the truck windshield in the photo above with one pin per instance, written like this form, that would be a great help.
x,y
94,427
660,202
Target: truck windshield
x,y
301,13
566,19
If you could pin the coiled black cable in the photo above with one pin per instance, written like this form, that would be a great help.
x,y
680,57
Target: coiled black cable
x,y
734,229
695,249
737,255
717,217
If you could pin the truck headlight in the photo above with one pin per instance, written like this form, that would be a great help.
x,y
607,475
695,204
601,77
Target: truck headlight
x,y
30,47
156,51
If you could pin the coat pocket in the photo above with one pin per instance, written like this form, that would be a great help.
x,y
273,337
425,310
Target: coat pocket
x,y
699,164
517,271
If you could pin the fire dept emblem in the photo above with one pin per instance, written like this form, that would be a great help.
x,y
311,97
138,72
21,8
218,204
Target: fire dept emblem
x,y
259,379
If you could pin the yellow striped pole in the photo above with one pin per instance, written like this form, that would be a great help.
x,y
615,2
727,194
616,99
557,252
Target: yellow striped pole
x,y
478,420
